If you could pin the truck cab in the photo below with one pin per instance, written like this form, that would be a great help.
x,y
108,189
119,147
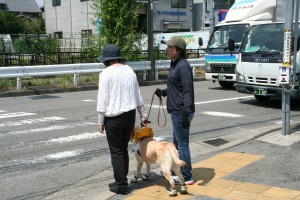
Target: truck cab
x,y
220,62
259,62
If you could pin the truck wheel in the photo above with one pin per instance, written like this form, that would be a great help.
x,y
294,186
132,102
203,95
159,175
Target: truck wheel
x,y
226,84
262,98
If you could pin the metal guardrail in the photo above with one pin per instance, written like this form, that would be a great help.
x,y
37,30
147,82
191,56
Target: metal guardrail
x,y
77,69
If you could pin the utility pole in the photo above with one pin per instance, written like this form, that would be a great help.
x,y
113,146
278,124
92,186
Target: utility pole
x,y
286,67
150,37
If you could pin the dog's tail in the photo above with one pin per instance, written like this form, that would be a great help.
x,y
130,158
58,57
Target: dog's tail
x,y
175,156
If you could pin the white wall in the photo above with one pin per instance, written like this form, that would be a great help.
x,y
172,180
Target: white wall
x,y
71,17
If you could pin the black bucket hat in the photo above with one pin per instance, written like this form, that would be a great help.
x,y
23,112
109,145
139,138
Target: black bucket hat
x,y
110,52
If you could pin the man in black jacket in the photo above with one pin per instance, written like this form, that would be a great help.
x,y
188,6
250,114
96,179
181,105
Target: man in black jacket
x,y
180,101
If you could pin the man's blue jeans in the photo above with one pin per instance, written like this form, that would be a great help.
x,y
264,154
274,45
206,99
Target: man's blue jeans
x,y
181,141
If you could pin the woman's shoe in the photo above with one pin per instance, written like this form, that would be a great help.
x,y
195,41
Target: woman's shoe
x,y
119,189
112,184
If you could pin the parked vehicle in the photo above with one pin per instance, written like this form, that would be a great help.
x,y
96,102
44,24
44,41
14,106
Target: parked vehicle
x,y
260,61
219,61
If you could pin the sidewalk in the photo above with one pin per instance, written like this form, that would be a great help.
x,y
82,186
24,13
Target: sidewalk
x,y
265,168
253,164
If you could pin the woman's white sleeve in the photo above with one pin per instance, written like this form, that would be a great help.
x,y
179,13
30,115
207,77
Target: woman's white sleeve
x,y
103,94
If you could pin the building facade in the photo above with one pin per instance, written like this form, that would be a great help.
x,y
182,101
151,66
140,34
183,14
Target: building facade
x,y
70,21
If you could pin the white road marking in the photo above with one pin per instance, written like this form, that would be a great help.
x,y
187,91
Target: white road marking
x,y
43,159
32,121
88,100
2,111
62,155
50,128
17,114
206,102
72,138
222,114
220,100
159,138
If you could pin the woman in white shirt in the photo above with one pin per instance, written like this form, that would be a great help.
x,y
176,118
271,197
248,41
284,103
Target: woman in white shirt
x,y
118,98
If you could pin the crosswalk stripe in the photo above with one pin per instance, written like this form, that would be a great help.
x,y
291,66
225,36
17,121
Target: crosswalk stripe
x,y
50,128
32,121
222,114
16,114
2,111
72,138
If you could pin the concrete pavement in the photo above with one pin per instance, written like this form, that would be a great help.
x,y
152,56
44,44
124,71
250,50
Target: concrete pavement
x,y
251,164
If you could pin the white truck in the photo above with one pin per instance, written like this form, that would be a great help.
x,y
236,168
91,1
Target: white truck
x,y
220,63
259,61
191,38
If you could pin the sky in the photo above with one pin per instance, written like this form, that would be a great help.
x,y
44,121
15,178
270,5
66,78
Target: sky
x,y
40,2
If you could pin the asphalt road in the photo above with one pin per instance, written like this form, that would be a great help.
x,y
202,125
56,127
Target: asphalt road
x,y
50,142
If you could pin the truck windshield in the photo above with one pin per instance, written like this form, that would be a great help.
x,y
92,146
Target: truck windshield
x,y
219,38
264,39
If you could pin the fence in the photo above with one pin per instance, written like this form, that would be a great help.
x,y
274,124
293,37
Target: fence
x,y
18,59
78,69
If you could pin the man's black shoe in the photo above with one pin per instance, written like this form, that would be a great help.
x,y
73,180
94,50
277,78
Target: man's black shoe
x,y
119,189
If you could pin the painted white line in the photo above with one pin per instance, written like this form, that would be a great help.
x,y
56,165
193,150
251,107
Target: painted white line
x,y
47,129
220,100
72,138
2,111
88,100
43,159
32,121
62,155
206,102
222,114
159,138
17,114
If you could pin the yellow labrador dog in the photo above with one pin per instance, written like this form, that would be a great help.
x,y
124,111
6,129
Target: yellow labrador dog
x,y
165,154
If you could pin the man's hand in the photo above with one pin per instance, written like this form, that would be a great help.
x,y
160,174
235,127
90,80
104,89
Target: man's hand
x,y
101,129
186,120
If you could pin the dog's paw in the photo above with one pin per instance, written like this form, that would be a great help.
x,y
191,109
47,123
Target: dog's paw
x,y
134,180
145,177
183,190
172,192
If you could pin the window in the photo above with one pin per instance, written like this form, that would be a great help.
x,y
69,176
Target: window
x,y
86,32
56,2
178,3
58,35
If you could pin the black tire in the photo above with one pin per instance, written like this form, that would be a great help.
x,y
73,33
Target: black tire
x,y
226,84
262,98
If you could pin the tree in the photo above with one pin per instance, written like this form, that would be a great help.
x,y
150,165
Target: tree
x,y
119,23
11,23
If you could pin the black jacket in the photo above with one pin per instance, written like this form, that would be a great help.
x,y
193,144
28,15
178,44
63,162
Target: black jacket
x,y
180,88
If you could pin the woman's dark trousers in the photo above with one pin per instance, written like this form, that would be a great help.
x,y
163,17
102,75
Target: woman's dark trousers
x,y
118,130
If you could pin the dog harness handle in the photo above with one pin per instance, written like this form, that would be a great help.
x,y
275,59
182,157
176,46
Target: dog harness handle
x,y
161,106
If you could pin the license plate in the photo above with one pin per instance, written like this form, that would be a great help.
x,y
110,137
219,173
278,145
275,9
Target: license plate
x,y
260,91
221,78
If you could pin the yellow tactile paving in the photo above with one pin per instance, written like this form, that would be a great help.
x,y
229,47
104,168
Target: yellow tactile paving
x,y
208,176
252,188
281,193
297,198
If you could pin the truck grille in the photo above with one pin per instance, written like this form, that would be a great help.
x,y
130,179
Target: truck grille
x,y
262,80
223,68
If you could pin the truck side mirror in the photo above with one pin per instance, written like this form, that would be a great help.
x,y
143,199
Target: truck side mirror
x,y
200,41
231,44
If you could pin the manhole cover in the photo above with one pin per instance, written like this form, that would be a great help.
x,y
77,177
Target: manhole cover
x,y
216,142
